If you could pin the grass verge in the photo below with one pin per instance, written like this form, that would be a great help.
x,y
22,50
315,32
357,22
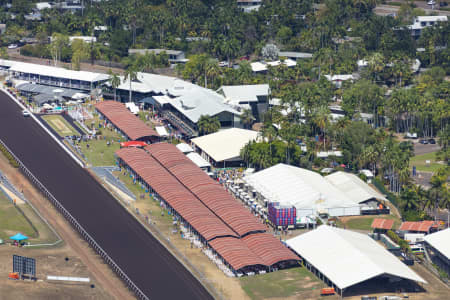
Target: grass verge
x,y
364,222
420,162
12,221
281,284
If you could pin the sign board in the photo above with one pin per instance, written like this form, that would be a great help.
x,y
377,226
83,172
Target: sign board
x,y
24,265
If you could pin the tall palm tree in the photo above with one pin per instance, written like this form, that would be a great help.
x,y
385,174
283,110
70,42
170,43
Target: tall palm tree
x,y
131,74
114,80
211,69
207,124
247,118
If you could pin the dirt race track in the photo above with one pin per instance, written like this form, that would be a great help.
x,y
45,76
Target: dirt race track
x,y
151,267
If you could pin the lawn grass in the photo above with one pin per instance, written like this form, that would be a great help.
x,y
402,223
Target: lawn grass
x,y
60,125
419,162
12,221
364,222
280,284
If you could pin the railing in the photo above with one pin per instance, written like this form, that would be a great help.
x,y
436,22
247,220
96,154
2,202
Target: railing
x,y
78,227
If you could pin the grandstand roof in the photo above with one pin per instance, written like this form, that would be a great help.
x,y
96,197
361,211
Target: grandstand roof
x,y
211,193
352,259
123,119
269,248
382,224
173,192
57,72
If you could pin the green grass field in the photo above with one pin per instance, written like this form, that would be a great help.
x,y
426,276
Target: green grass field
x,y
60,125
420,162
12,221
281,284
364,222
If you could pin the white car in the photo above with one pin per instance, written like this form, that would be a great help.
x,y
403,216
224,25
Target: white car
x,y
25,113
431,2
12,46
223,64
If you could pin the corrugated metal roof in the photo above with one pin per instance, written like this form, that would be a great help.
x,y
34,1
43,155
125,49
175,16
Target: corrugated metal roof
x,y
423,226
440,241
211,193
235,252
173,192
382,224
269,248
123,119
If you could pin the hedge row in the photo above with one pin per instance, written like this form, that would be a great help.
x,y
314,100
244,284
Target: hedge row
x,y
8,155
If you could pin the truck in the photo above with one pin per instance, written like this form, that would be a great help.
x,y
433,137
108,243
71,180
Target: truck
x,y
414,238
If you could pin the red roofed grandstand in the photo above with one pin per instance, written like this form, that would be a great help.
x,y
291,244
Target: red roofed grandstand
x,y
384,224
210,213
423,226
174,193
211,193
127,123
268,248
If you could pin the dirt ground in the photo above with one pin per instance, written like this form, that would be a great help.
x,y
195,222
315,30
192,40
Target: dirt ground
x,y
83,261
48,262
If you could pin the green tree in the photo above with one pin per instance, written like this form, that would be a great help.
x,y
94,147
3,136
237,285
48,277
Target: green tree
x,y
131,73
207,124
247,118
114,80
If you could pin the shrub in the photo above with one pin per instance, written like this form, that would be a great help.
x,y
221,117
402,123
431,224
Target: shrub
x,y
8,156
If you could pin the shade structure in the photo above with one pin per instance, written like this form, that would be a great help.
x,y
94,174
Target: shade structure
x,y
440,241
124,120
423,226
347,258
382,224
18,237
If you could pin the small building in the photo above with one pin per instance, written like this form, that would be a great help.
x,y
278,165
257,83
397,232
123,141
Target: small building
x,y
86,39
43,5
344,259
223,148
337,80
254,97
381,225
262,67
417,227
249,5
438,244
175,56
422,22
42,94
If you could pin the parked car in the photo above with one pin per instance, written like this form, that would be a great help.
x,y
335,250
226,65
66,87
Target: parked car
x,y
13,46
431,141
223,64
432,2
25,113
423,142
443,3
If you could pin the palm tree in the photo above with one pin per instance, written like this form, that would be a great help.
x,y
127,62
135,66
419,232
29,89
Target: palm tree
x,y
207,124
131,74
211,69
247,118
114,80
376,64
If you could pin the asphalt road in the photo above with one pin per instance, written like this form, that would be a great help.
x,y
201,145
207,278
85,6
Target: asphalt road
x,y
151,267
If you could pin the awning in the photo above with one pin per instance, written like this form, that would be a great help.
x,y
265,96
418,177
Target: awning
x,y
18,237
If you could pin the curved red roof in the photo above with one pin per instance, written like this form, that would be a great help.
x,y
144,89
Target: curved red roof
x,y
235,252
174,193
123,119
269,248
423,226
211,193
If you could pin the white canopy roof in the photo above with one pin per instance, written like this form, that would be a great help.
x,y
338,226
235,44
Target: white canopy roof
x,y
161,130
225,144
43,70
352,258
352,186
440,241
185,148
198,160
302,188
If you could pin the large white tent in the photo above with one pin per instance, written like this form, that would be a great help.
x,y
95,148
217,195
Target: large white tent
x,y
347,258
224,145
308,191
440,241
353,187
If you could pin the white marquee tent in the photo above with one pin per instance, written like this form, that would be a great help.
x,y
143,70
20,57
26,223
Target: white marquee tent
x,y
352,259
